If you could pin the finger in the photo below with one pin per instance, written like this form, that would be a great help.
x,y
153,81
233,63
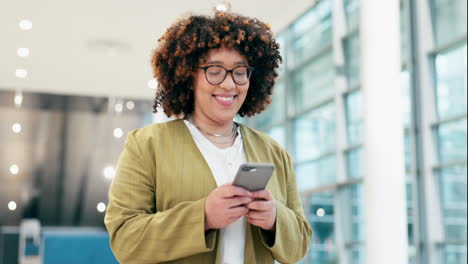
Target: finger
x,y
255,222
237,211
259,205
231,191
262,194
257,215
236,201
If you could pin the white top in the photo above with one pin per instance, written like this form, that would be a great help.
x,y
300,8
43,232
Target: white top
x,y
224,164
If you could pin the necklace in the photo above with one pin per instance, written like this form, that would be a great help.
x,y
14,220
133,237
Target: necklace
x,y
231,134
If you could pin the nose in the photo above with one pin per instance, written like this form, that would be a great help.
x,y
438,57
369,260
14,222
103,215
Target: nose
x,y
228,82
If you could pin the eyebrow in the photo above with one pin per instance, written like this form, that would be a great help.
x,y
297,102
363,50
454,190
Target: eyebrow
x,y
220,62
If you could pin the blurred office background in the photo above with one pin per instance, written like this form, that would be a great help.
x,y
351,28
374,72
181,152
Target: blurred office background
x,y
75,78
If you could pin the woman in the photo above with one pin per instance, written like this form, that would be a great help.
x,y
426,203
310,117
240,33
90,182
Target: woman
x,y
172,200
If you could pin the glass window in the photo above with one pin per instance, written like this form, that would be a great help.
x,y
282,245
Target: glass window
x,y
354,120
406,93
314,83
451,81
316,173
351,8
451,139
454,254
276,111
352,220
352,56
278,133
449,19
312,32
321,218
315,133
354,163
453,193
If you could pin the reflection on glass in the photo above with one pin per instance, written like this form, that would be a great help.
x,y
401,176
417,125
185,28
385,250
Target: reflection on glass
x,y
453,192
278,133
407,148
454,254
316,173
321,218
312,32
449,19
451,78
315,133
352,220
276,111
409,209
352,56
451,139
354,120
354,163
351,8
314,83
406,93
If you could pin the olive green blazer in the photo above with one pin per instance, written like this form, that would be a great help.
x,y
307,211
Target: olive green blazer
x,y
156,201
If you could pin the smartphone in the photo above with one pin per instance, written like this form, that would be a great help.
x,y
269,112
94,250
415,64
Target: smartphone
x,y
253,176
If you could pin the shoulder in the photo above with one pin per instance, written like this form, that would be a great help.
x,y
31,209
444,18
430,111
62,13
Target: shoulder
x,y
263,140
156,130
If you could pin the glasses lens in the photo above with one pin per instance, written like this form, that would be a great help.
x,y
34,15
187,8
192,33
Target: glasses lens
x,y
215,74
241,75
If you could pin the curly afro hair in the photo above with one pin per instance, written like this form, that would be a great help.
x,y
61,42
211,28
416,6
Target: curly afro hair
x,y
185,45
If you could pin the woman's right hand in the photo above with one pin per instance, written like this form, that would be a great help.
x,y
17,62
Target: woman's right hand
x,y
224,205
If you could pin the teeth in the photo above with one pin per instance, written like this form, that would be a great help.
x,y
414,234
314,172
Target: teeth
x,y
225,99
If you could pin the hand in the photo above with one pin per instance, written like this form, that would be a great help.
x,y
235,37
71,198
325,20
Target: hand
x,y
225,205
262,210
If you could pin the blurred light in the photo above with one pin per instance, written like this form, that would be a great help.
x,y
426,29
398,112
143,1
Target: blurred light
x,y
21,73
221,7
118,132
130,105
118,107
101,207
108,172
12,205
23,52
14,169
320,212
152,84
25,24
18,99
16,128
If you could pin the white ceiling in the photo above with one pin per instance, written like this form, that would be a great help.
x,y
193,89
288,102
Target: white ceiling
x,y
69,41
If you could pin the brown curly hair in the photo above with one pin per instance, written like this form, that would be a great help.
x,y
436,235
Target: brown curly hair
x,y
185,45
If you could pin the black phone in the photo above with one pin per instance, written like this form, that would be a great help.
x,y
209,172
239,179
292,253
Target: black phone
x,y
253,176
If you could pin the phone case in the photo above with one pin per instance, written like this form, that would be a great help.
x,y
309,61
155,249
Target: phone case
x,y
253,176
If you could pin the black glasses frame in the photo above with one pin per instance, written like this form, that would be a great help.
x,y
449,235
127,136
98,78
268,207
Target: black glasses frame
x,y
250,69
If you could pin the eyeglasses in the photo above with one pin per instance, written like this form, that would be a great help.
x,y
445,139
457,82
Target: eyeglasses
x,y
215,74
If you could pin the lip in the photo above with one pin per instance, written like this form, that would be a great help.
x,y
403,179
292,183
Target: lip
x,y
225,103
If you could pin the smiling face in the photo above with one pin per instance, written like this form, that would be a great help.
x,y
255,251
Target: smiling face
x,y
219,103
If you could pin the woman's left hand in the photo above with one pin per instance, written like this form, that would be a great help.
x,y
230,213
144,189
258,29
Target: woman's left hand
x,y
262,211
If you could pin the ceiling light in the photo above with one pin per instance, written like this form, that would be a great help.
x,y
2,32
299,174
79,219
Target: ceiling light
x,y
320,212
118,107
118,132
130,105
18,98
16,128
21,73
152,84
25,24
14,169
23,52
101,207
12,206
108,172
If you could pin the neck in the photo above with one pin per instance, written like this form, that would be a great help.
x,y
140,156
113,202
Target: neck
x,y
211,126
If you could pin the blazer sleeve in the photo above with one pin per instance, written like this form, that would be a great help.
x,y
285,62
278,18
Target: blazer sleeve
x,y
292,236
138,232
